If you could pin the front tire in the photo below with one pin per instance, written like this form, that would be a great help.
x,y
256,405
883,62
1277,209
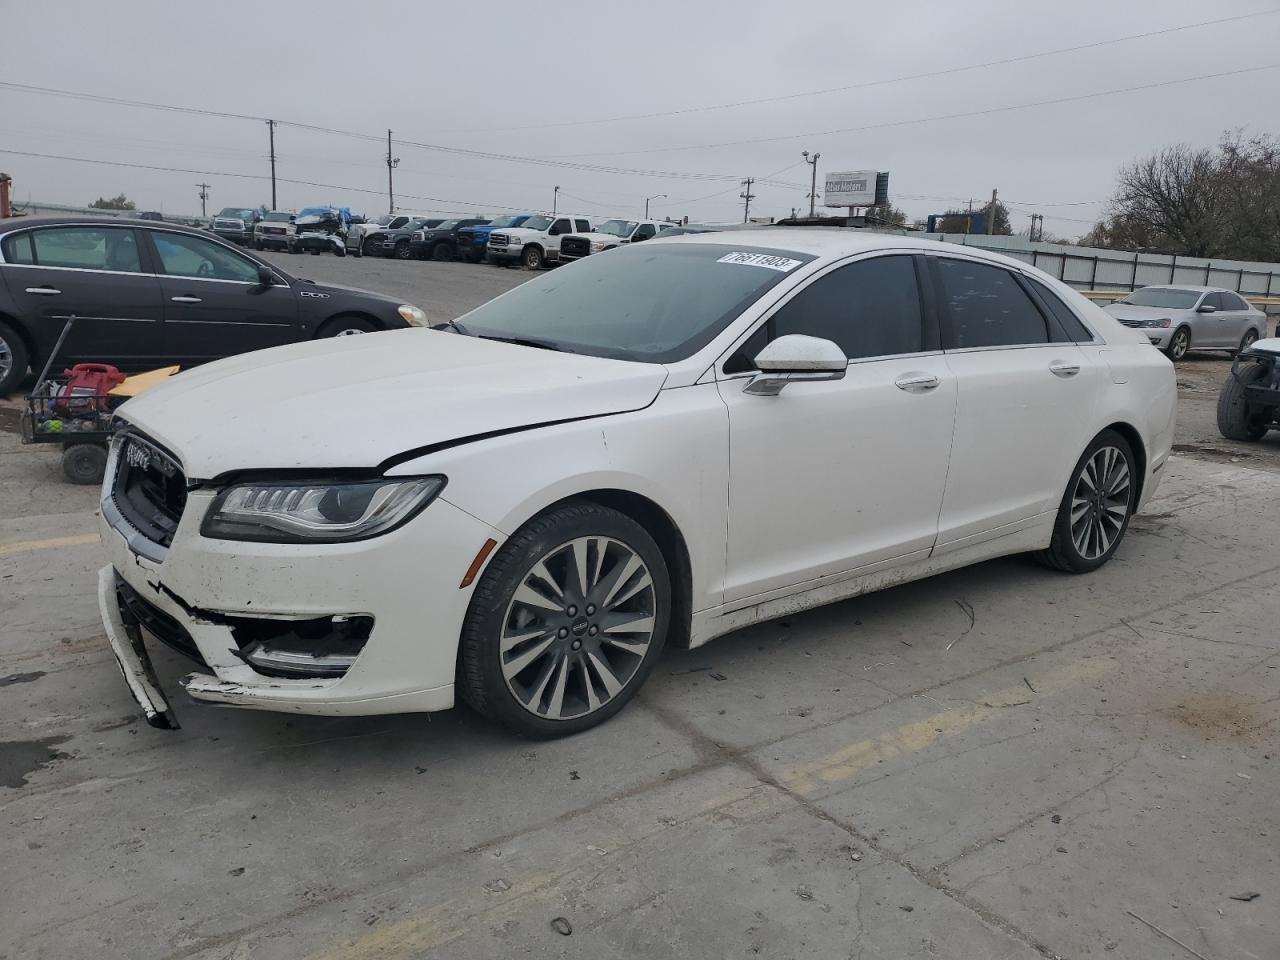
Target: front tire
x,y
403,251
566,622
345,327
1179,344
1236,419
1248,340
1095,510
13,359
370,248
442,252
531,258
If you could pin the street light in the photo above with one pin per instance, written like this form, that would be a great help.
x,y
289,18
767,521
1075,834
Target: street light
x,y
813,182
646,202
555,201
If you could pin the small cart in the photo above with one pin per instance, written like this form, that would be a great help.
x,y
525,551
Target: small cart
x,y
80,422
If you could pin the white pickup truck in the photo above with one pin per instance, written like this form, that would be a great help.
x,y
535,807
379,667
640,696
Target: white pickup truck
x,y
536,241
610,234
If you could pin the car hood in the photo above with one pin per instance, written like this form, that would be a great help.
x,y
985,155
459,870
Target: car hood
x,y
523,233
602,237
317,286
355,402
1129,311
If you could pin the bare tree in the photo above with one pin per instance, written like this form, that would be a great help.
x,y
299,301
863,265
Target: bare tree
x,y
1250,173
1175,198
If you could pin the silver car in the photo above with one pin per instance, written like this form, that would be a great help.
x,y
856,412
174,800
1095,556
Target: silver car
x,y
1178,319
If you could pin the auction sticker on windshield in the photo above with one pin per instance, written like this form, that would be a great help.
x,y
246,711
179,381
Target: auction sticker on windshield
x,y
768,260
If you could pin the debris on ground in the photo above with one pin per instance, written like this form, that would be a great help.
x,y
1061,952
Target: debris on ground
x,y
906,908
1245,897
1056,818
573,775
804,893
497,886
562,926
1167,936
967,607
718,676
236,871
1029,686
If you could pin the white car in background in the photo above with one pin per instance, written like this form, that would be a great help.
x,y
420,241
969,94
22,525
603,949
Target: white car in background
x,y
1178,319
655,447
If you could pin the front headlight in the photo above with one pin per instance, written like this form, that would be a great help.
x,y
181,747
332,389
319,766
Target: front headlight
x,y
413,316
326,511
597,245
1162,323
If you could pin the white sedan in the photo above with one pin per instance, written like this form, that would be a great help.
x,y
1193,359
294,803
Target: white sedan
x,y
655,447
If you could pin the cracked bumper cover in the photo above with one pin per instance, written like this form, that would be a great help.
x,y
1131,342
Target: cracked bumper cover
x,y
406,580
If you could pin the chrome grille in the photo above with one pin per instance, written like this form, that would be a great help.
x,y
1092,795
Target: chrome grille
x,y
148,487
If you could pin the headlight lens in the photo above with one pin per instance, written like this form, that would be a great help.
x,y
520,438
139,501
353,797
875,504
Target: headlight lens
x,y
414,316
1163,323
321,512
597,246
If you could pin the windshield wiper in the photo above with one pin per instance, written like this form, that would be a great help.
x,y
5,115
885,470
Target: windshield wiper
x,y
453,325
529,342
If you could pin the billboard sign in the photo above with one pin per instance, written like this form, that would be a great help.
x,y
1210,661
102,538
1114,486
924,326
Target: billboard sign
x,y
850,188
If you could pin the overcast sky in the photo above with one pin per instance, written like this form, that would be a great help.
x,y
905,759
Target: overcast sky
x,y
516,80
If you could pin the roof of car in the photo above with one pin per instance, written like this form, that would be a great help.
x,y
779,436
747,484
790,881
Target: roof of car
x,y
16,223
1185,286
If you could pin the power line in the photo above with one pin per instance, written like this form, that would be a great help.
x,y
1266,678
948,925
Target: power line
x,y
862,85
945,116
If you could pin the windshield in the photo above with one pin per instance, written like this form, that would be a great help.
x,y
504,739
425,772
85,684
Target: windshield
x,y
383,220
537,223
278,217
652,302
504,222
239,213
1163,297
446,225
617,228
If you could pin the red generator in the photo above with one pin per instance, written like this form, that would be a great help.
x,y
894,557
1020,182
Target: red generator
x,y
87,387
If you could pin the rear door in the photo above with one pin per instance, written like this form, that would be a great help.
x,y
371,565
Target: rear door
x,y
98,274
1236,315
214,304
1024,404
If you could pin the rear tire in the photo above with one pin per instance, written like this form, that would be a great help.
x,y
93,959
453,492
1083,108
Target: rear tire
x,y
1236,419
1095,510
84,463
442,252
553,667
1248,340
13,359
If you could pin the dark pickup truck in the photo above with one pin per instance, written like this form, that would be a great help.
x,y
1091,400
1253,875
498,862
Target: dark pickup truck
x,y
439,242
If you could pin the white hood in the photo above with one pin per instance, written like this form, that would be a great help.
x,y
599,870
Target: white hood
x,y
1133,311
357,401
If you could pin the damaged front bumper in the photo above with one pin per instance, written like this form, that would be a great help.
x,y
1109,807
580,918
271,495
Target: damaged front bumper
x,y
125,637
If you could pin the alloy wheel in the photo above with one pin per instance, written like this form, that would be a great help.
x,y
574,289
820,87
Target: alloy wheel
x,y
1179,345
1250,338
6,359
1100,502
349,332
577,628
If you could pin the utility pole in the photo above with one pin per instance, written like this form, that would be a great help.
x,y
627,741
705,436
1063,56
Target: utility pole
x,y
813,179
392,163
646,202
555,200
991,217
747,196
271,129
204,195
1037,227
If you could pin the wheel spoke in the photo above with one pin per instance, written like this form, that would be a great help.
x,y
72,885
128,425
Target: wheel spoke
x,y
515,639
531,598
611,683
555,708
541,572
612,597
593,698
517,664
641,623
638,647
580,566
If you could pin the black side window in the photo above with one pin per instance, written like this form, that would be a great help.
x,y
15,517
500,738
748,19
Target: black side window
x,y
17,249
1076,332
1213,300
583,226
645,231
870,309
561,226
1231,302
90,248
987,306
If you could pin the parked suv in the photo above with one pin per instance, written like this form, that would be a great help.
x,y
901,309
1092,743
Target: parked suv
x,y
394,241
441,241
610,234
272,232
536,241
154,294
360,239
236,224
472,241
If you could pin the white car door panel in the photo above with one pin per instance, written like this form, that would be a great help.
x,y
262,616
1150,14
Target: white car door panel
x,y
832,476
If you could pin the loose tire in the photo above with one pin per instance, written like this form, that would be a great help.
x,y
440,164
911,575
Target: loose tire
x,y
566,622
403,251
1236,419
84,463
442,252
1179,344
13,359
1248,340
345,327
531,258
1095,510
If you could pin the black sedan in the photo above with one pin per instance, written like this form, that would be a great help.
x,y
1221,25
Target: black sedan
x,y
439,242
394,242
146,295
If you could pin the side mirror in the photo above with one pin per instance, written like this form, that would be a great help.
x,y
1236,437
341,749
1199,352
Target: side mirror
x,y
793,358
1206,308
553,232
265,275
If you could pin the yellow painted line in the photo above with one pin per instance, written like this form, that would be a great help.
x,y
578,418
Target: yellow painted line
x,y
846,763
52,543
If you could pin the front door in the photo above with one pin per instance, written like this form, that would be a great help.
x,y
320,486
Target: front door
x,y
1023,416
214,303
827,477
96,274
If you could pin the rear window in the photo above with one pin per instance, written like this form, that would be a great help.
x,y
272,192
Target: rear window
x,y
1075,331
17,249
1170,297
987,306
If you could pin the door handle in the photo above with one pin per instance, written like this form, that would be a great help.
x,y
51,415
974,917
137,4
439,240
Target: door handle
x,y
1064,370
186,300
44,291
916,382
